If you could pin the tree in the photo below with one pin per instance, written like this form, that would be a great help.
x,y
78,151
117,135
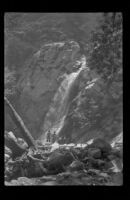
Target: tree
x,y
106,44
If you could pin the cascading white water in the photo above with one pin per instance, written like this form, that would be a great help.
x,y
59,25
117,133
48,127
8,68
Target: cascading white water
x,y
55,117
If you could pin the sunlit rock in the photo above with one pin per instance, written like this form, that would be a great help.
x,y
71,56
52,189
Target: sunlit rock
x,y
11,135
54,146
117,142
117,167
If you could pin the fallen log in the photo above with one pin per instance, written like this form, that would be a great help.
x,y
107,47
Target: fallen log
x,y
20,124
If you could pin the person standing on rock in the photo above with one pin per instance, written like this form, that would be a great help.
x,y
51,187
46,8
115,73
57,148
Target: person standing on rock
x,y
48,136
54,137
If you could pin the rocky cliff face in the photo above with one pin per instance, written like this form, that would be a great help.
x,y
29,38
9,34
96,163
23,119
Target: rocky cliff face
x,y
55,89
42,82
96,111
58,92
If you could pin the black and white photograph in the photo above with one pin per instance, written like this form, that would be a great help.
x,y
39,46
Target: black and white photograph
x,y
63,99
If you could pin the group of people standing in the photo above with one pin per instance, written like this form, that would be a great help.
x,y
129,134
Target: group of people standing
x,y
51,137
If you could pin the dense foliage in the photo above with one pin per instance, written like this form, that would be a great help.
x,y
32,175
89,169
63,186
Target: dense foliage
x,y
106,44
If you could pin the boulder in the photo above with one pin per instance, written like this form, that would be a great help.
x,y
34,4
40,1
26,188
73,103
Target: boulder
x,y
94,171
116,165
54,155
111,157
76,165
7,157
103,145
96,163
22,143
57,162
95,153
8,150
117,153
11,135
108,165
104,175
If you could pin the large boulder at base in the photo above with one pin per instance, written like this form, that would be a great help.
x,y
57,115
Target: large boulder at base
x,y
58,161
103,145
95,153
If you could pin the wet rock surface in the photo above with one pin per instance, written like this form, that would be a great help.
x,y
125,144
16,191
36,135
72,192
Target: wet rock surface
x,y
66,165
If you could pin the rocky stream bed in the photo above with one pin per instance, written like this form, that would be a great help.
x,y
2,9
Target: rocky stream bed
x,y
94,163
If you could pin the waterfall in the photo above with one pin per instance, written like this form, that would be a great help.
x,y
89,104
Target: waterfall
x,y
56,115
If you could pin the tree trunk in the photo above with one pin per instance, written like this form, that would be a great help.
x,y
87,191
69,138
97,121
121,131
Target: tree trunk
x,y
20,124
